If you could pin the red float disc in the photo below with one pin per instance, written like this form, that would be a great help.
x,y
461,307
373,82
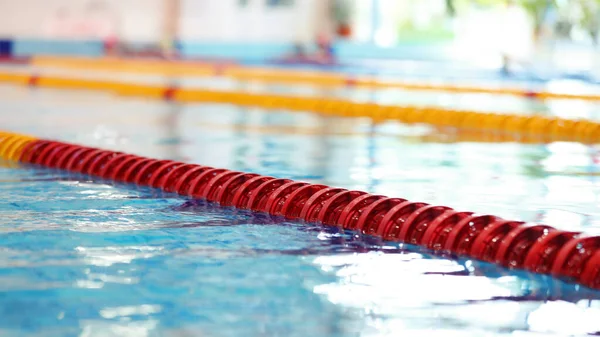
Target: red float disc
x,y
109,167
369,221
487,243
80,159
63,159
25,153
591,273
24,157
571,259
120,167
159,175
514,247
542,254
393,221
133,170
418,222
294,204
332,209
85,163
435,235
33,150
168,182
246,191
147,171
100,161
280,196
464,234
74,163
107,163
198,185
53,158
352,213
183,184
230,188
260,196
310,211
213,188
41,157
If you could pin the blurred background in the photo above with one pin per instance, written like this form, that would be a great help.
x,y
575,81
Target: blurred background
x,y
542,37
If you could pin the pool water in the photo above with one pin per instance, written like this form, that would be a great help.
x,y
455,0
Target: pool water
x,y
82,257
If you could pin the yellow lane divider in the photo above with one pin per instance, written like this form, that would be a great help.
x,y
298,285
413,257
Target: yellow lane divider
x,y
546,128
282,76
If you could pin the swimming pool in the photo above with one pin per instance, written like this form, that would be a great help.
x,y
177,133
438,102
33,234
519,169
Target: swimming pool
x,y
87,257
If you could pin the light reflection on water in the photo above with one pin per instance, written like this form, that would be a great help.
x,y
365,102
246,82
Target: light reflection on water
x,y
85,257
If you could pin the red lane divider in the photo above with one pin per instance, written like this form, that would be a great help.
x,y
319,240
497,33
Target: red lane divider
x,y
513,244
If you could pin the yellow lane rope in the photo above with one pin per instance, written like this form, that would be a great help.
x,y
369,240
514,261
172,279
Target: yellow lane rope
x,y
282,76
546,128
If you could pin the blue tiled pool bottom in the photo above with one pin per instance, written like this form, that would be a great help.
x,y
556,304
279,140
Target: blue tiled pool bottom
x,y
86,258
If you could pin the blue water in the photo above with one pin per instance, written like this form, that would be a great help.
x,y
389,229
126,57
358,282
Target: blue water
x,y
80,257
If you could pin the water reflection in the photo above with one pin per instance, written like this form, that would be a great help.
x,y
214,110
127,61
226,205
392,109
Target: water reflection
x,y
419,293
